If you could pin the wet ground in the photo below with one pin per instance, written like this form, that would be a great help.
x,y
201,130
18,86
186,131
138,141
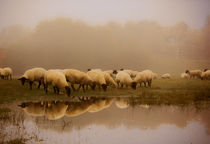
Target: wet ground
x,y
107,120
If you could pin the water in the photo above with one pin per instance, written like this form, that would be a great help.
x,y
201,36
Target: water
x,y
113,120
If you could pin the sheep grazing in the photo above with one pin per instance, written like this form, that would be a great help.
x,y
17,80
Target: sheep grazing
x,y
145,76
123,78
32,75
205,75
166,76
57,80
194,73
109,80
97,77
6,73
185,76
77,77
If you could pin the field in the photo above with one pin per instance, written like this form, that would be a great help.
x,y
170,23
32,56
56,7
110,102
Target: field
x,y
163,91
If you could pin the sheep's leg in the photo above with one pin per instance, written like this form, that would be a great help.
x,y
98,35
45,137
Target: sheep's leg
x,y
58,90
83,87
145,84
121,85
39,85
30,83
72,85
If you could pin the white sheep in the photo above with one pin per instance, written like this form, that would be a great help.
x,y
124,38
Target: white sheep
x,y
194,73
205,75
57,80
185,76
145,76
130,72
78,77
109,80
123,78
6,73
166,76
33,75
97,77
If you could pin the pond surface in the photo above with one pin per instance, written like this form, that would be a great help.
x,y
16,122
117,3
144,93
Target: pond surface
x,y
108,120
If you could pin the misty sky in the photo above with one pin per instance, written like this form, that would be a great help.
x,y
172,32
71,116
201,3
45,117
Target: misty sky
x,y
165,12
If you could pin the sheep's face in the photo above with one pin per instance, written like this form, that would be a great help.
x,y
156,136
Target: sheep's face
x,y
133,85
114,72
68,91
22,79
104,86
205,70
89,69
187,71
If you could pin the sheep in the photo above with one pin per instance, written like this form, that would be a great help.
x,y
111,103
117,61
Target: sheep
x,y
32,75
205,75
145,76
166,76
55,110
123,78
6,73
185,76
97,77
77,77
109,80
57,80
194,73
130,72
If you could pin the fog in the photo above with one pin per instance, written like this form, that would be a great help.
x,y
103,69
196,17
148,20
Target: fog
x,y
66,43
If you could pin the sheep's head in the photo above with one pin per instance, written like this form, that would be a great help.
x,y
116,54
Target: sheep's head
x,y
104,86
205,70
114,72
133,85
121,69
187,71
68,90
89,69
22,79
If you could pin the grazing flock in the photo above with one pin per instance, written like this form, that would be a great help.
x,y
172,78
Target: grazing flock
x,y
60,79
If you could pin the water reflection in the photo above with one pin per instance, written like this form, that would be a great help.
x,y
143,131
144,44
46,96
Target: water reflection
x,y
117,120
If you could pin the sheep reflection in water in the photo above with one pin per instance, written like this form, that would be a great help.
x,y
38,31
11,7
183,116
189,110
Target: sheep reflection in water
x,y
54,110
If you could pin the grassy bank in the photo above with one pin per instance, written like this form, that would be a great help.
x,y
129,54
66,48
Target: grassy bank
x,y
166,91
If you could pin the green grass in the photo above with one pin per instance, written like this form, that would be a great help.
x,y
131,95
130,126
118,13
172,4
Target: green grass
x,y
162,91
